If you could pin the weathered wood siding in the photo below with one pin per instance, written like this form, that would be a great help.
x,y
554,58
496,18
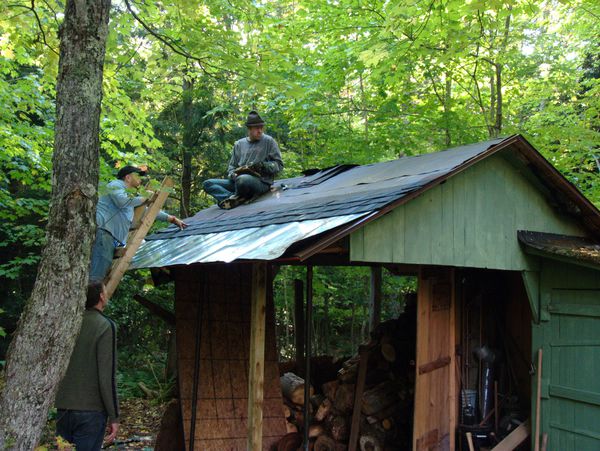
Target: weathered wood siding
x,y
569,333
471,220
436,389
223,293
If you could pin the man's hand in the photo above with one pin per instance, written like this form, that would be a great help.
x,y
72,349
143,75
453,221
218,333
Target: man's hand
x,y
258,167
178,222
111,435
246,170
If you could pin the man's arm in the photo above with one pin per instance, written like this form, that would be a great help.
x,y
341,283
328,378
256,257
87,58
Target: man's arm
x,y
274,163
233,161
106,349
119,196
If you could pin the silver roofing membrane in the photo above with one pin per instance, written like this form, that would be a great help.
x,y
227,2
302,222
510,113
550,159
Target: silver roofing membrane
x,y
255,243
298,208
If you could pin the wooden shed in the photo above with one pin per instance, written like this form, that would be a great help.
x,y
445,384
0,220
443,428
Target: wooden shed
x,y
507,254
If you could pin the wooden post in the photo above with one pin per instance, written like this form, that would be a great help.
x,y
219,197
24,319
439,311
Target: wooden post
x,y
375,298
257,356
360,386
307,342
299,320
134,241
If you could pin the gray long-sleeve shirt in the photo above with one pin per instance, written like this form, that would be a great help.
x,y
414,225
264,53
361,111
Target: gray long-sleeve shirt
x,y
90,380
265,150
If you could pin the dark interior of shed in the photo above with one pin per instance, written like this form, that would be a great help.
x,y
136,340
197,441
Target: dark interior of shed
x,y
493,365
494,356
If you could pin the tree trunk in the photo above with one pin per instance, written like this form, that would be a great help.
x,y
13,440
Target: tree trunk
x,y
187,144
40,349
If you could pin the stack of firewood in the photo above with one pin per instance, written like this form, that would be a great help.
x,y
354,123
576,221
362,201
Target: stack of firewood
x,y
386,399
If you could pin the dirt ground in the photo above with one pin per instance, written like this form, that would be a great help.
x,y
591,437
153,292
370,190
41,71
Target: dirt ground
x,y
140,421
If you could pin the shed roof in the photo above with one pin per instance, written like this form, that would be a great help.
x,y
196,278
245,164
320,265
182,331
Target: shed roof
x,y
337,200
575,249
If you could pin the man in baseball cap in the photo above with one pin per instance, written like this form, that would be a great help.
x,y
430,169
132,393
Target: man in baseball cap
x,y
114,215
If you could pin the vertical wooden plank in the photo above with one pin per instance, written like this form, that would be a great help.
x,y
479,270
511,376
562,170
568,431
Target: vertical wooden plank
x,y
444,250
358,393
398,234
436,409
375,298
257,356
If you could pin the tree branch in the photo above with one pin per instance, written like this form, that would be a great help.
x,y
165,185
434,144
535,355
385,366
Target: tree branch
x,y
38,21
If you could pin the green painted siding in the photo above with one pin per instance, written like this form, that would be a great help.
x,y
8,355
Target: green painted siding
x,y
569,335
471,220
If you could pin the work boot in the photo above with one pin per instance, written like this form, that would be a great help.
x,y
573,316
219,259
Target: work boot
x,y
231,202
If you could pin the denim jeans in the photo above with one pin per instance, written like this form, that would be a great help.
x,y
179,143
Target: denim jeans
x,y
246,186
84,428
102,255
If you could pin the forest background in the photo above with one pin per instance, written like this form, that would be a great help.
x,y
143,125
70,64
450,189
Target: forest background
x,y
337,82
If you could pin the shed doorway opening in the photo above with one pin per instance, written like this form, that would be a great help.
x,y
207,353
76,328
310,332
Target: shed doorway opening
x,y
362,320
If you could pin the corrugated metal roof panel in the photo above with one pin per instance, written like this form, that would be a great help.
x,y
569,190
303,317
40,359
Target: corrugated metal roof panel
x,y
254,243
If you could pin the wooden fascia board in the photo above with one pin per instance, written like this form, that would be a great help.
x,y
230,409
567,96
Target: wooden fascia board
x,y
589,214
560,258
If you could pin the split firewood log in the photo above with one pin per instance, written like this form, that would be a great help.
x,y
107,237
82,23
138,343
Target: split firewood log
x,y
315,430
339,427
369,443
290,442
296,417
292,387
324,443
316,400
387,423
323,410
349,370
344,398
290,427
330,388
379,397
388,412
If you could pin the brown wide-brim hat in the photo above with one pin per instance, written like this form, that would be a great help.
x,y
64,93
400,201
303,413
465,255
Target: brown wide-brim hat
x,y
254,120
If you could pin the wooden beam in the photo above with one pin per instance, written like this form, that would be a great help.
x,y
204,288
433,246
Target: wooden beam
x,y
257,356
299,320
375,298
515,438
164,314
134,241
358,394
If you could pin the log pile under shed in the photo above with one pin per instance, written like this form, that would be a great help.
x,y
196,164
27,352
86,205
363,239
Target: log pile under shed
x,y
385,389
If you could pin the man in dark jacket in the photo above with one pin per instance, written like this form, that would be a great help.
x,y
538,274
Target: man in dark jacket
x,y
87,394
255,161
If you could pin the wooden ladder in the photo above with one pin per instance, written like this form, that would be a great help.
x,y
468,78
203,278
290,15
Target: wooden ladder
x,y
143,218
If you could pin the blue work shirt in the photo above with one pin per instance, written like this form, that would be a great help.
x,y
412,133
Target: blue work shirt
x,y
114,212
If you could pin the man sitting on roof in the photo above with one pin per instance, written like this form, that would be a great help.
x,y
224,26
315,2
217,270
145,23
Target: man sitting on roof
x,y
254,163
114,214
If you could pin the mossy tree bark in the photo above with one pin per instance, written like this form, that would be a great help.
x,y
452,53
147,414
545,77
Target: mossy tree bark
x,y
40,349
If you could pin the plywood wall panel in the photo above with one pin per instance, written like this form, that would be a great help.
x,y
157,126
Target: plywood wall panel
x,y
223,294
